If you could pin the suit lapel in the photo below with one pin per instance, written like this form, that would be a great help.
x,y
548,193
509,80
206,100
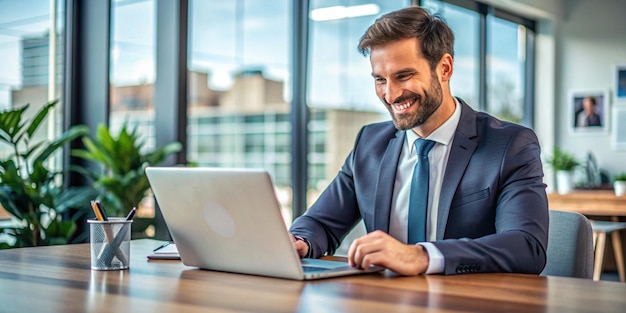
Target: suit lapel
x,y
463,146
384,185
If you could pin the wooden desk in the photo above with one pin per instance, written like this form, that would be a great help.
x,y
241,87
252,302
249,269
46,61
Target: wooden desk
x,y
589,202
59,279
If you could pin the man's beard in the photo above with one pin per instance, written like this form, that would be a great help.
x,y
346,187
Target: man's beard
x,y
426,106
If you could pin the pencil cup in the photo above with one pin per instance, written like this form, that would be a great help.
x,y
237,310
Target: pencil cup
x,y
110,244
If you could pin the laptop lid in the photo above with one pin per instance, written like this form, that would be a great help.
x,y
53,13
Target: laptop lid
x,y
230,220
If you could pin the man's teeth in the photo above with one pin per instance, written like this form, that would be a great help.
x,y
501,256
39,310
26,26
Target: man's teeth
x,y
403,106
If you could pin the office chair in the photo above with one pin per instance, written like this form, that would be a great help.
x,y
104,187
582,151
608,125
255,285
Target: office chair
x,y
570,246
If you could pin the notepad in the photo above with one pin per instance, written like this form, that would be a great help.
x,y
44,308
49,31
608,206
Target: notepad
x,y
169,252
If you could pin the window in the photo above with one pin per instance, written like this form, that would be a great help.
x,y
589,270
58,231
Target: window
x,y
340,89
238,107
465,24
132,75
493,81
506,61
132,67
29,53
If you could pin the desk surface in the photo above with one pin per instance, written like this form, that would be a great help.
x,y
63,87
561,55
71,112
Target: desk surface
x,y
59,279
589,202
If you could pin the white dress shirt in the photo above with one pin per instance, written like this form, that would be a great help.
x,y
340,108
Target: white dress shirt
x,y
437,158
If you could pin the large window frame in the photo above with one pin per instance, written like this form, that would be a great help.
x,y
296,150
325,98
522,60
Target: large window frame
x,y
529,70
87,75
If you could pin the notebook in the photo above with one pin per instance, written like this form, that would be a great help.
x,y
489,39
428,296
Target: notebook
x,y
166,251
230,220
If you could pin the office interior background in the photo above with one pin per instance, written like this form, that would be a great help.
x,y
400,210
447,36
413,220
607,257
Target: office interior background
x,y
280,85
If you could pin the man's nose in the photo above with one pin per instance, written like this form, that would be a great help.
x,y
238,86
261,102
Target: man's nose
x,y
392,92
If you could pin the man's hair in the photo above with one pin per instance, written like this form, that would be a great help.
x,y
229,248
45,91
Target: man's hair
x,y
434,35
592,100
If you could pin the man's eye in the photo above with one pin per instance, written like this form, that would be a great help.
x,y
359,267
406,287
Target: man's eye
x,y
404,76
379,80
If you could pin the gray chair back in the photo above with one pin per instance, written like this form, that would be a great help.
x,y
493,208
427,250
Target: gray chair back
x,y
570,246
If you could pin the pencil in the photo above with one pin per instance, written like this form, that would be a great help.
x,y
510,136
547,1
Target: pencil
x,y
102,211
96,211
131,214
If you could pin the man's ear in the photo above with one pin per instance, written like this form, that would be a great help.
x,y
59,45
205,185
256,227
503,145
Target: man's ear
x,y
445,67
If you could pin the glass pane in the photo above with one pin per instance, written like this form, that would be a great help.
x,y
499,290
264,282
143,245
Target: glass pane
x,y
132,70
132,76
238,109
29,54
506,59
465,25
340,88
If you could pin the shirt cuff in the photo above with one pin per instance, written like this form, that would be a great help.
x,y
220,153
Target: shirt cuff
x,y
436,260
308,244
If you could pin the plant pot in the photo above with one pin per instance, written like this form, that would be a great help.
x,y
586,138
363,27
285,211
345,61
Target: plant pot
x,y
564,182
619,186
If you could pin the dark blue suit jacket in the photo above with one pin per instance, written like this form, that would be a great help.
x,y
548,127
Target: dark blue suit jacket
x,y
493,210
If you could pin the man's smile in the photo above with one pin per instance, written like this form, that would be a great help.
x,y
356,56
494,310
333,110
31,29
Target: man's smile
x,y
403,106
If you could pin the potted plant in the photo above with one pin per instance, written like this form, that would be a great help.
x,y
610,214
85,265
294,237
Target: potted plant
x,y
619,184
29,190
564,164
120,176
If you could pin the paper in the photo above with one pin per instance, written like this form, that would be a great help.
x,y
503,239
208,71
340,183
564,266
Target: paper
x,y
169,252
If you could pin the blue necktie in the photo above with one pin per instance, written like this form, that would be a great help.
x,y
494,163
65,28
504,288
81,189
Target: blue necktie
x,y
418,200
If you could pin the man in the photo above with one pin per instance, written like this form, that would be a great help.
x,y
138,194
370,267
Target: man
x,y
487,206
588,116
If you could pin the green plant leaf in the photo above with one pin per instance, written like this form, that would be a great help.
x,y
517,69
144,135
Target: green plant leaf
x,y
40,175
58,232
29,190
122,179
562,161
93,152
85,172
32,150
10,124
41,115
11,202
75,198
69,135
108,149
620,177
159,155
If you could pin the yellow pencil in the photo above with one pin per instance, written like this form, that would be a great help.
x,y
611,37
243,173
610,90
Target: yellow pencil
x,y
97,211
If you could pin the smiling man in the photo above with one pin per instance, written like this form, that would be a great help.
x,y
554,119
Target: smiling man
x,y
441,188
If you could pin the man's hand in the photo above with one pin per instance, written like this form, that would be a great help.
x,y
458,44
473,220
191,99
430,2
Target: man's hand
x,y
301,247
379,248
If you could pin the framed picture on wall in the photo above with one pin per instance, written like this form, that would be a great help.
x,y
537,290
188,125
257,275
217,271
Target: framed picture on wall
x,y
589,111
620,84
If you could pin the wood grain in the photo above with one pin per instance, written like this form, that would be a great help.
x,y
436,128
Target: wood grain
x,y
589,202
59,279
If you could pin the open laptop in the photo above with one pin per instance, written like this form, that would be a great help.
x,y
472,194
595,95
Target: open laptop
x,y
230,220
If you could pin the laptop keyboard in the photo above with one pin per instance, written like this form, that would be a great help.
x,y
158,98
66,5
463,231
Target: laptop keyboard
x,y
308,269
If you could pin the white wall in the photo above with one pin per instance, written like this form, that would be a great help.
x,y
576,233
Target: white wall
x,y
591,42
578,44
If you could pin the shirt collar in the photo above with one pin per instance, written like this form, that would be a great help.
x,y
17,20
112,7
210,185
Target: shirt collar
x,y
443,134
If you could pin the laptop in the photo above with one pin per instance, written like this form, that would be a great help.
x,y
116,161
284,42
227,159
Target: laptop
x,y
230,220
